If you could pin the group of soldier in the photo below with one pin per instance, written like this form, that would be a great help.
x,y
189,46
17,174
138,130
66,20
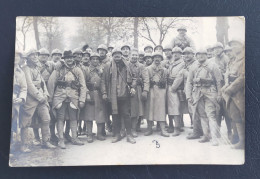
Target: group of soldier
x,y
64,93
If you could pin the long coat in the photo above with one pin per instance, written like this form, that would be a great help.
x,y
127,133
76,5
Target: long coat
x,y
95,109
140,82
156,102
236,69
173,101
59,94
46,70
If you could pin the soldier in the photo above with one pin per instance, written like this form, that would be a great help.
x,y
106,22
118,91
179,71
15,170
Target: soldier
x,y
141,57
148,59
19,96
168,53
36,101
210,51
56,55
140,84
157,95
182,40
148,49
174,97
86,58
67,90
115,85
221,60
126,50
158,48
95,109
77,53
110,48
203,92
234,89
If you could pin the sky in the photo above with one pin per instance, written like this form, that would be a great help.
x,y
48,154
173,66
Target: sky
x,y
205,35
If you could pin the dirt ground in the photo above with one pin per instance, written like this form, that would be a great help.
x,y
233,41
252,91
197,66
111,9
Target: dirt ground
x,y
153,149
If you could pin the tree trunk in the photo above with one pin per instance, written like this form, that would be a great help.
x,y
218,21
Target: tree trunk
x,y
222,29
136,20
108,37
36,32
24,41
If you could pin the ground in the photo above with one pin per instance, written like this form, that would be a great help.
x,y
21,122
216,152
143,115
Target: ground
x,y
153,149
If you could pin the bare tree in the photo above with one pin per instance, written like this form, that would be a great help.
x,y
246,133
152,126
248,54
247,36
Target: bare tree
x,y
36,32
25,27
136,22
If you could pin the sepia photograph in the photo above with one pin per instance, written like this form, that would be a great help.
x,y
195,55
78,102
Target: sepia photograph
x,y
91,91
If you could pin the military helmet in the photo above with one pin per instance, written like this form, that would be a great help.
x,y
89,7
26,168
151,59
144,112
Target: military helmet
x,y
188,50
31,51
202,51
141,52
44,51
147,55
89,50
147,46
227,48
176,50
218,44
102,46
157,54
94,54
209,47
86,52
182,28
157,47
56,51
126,45
167,47
235,40
115,50
77,51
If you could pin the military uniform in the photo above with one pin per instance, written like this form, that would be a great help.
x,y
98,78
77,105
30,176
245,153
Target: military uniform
x,y
182,42
67,88
204,94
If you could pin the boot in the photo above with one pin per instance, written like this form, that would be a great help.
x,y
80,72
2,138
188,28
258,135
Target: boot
x,y
76,141
149,128
123,133
67,132
61,144
99,131
163,132
116,138
48,145
158,127
241,134
36,140
103,130
109,126
89,131
73,127
170,128
193,136
79,131
138,126
176,132
130,139
204,139
54,139
134,125
134,133
215,143
84,130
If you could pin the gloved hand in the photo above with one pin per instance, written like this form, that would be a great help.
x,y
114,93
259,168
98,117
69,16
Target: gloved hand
x,y
144,95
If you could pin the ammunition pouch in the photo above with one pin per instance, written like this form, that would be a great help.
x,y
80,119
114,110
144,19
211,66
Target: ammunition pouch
x,y
73,84
204,83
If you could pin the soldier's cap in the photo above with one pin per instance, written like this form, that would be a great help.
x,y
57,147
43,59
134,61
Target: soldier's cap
x,y
67,54
201,51
157,54
176,50
188,50
77,51
56,51
94,54
218,44
116,50
157,47
235,41
89,50
182,28
31,51
126,45
147,55
102,46
148,46
110,46
141,52
44,51
228,48
86,52
167,47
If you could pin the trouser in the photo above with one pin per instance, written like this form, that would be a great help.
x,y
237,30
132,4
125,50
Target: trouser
x,y
177,121
238,121
122,116
26,118
206,110
134,122
52,123
223,112
197,128
72,119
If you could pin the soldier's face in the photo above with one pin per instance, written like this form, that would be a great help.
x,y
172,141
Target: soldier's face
x,y
125,51
56,57
69,60
218,50
141,59
168,53
187,56
176,55
157,60
158,49
148,61
201,57
209,53
34,57
182,32
117,57
43,58
94,61
230,54
85,59
78,57
134,57
236,47
102,52
148,50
